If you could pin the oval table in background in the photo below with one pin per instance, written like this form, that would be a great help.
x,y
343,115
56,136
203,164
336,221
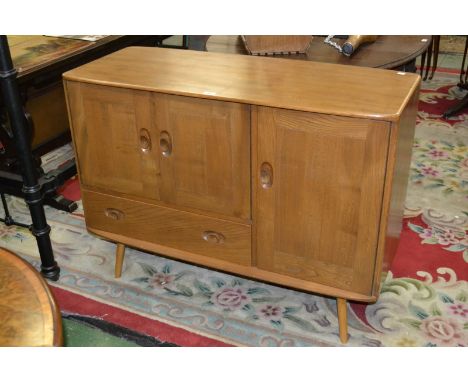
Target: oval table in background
x,y
388,52
29,315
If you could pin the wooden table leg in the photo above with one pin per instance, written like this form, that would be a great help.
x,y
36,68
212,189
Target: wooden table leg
x,y
429,59
119,258
342,319
423,63
436,55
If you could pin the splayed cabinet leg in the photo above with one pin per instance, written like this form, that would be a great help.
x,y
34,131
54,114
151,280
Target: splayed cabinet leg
x,y
119,258
342,319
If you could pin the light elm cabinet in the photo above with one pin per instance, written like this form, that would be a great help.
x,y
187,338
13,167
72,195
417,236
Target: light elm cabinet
x,y
266,168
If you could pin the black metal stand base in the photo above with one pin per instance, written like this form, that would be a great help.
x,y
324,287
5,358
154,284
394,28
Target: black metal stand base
x,y
458,107
8,220
60,203
461,104
52,273
32,190
462,85
12,184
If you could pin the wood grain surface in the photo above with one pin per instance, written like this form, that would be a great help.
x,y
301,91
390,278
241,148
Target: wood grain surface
x,y
291,84
168,227
48,113
208,166
394,195
281,170
233,268
387,52
181,151
319,220
29,315
106,124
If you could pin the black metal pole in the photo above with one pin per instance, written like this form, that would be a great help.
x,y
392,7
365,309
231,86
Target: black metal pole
x,y
31,188
8,220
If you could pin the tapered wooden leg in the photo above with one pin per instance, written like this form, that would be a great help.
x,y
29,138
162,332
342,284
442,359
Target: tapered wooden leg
x,y
119,258
342,319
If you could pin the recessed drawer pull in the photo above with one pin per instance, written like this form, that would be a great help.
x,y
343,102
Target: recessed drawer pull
x,y
114,214
145,141
165,143
213,237
266,175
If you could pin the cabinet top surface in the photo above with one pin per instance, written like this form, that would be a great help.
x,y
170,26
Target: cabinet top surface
x,y
290,84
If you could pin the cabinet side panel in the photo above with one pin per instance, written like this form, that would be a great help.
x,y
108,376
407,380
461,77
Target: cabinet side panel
x,y
399,161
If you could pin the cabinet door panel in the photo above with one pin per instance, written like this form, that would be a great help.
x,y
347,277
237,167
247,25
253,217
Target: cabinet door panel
x,y
113,138
319,219
204,154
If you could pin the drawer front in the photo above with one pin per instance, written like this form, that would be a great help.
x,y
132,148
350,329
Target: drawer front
x,y
190,232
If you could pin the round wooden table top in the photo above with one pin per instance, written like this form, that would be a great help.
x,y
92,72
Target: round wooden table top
x,y
28,313
388,52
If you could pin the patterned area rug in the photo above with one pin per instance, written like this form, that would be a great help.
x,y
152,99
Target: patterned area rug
x,y
423,301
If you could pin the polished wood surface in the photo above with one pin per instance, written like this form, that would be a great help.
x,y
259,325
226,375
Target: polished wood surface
x,y
290,84
40,62
106,126
119,259
342,319
208,166
259,167
394,195
169,227
319,219
29,315
182,151
387,52
230,267
35,55
48,112
32,52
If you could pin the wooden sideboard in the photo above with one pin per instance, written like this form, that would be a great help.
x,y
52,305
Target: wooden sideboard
x,y
285,171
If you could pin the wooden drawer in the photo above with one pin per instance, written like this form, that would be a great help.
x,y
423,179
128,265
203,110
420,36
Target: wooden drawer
x,y
214,238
